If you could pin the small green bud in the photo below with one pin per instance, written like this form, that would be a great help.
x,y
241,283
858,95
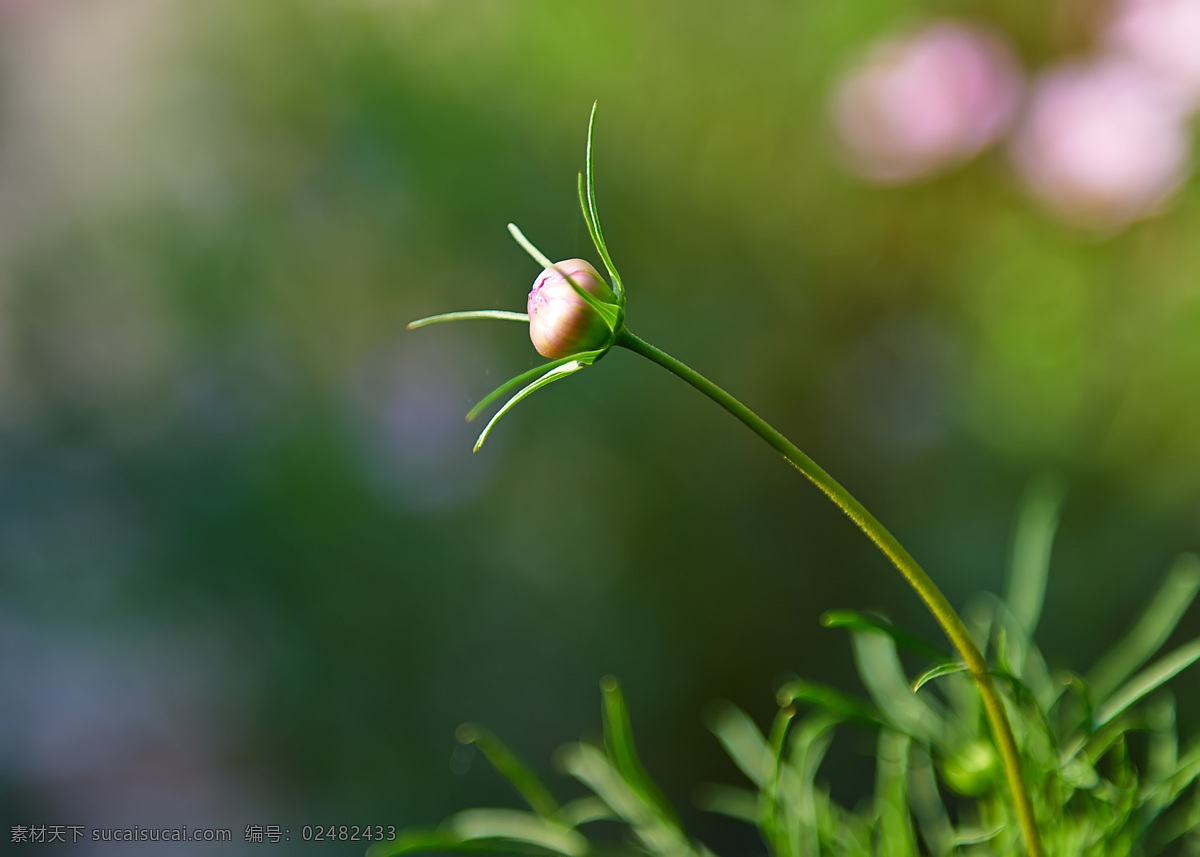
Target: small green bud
x,y
973,770
561,323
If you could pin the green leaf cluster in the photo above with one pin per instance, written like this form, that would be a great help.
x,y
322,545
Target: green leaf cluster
x,y
1101,751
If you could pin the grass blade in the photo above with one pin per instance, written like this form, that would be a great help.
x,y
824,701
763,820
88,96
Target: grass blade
x,y
1152,629
510,766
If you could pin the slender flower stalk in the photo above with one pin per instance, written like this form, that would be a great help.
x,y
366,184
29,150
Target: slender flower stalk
x,y
916,576
591,315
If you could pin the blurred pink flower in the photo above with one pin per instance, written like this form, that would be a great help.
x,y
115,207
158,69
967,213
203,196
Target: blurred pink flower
x,y
1163,36
926,101
1103,143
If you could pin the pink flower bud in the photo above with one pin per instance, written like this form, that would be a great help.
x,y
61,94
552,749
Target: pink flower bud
x,y
919,103
562,323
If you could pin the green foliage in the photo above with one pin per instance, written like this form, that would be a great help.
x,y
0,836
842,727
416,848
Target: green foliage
x,y
1101,754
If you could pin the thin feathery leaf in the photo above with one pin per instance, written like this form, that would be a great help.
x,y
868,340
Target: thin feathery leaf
x,y
800,798
512,768
928,808
1016,655
1148,680
519,380
977,835
857,621
555,374
658,833
897,838
1152,629
584,810
618,739
772,815
743,742
937,672
1162,752
414,841
611,313
491,314
882,674
517,826
1187,772
1032,544
732,801
447,842
830,699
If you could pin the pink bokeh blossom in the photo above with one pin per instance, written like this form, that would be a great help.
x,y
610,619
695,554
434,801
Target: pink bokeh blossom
x,y
1103,143
1163,36
923,102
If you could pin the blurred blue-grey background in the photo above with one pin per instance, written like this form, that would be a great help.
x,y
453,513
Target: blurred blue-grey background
x,y
250,570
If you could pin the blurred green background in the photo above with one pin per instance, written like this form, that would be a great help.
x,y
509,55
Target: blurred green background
x,y
251,572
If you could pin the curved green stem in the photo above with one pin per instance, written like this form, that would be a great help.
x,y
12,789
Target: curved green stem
x,y
895,552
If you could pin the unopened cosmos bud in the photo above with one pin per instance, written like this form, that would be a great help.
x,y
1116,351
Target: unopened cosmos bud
x,y
561,323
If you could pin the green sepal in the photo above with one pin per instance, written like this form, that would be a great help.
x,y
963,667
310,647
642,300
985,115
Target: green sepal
x,y
556,373
493,314
587,201
513,383
612,314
